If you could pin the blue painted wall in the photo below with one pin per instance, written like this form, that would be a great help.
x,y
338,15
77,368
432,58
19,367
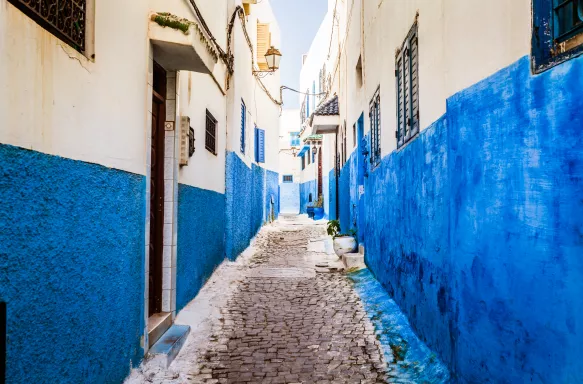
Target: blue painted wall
x,y
348,194
201,240
72,242
332,195
289,195
305,190
476,228
249,193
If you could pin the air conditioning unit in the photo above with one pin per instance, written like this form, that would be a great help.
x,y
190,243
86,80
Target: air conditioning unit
x,y
186,141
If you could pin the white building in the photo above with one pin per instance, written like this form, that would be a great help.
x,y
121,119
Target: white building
x,y
138,149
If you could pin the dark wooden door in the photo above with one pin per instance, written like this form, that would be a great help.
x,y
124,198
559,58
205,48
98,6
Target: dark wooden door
x,y
157,191
319,172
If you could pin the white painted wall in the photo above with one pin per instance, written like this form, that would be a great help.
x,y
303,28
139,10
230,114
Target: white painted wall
x,y
261,111
55,100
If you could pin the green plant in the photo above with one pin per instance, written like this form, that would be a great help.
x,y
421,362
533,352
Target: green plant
x,y
333,228
319,203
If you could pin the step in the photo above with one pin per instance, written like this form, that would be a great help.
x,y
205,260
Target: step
x,y
158,324
353,261
166,349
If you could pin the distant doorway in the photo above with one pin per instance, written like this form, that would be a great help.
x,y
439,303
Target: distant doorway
x,y
157,191
361,174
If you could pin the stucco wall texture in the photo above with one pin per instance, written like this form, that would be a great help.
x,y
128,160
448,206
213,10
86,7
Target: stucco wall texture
x,y
72,242
307,188
475,228
201,240
250,193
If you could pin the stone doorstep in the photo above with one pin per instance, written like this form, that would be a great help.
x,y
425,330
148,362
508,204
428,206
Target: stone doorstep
x,y
158,324
167,348
353,260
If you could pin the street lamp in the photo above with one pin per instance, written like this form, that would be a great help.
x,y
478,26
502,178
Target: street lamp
x,y
273,57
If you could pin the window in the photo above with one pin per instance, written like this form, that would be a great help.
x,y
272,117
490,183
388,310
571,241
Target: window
x,y
263,44
309,157
210,139
63,18
294,139
243,123
375,129
354,135
303,162
557,33
288,178
359,80
407,88
259,145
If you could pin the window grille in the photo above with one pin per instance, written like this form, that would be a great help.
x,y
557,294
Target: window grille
x,y
243,123
557,33
63,18
407,88
210,141
288,178
375,129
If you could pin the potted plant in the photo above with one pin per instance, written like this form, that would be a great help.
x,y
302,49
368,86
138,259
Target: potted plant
x,y
343,243
319,209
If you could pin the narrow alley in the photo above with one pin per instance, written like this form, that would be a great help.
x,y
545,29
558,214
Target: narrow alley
x,y
287,312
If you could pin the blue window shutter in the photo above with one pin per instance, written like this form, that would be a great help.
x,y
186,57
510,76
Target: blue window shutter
x,y
261,145
243,122
256,145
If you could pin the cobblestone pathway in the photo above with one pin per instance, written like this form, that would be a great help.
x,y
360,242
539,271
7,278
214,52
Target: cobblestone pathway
x,y
284,320
293,329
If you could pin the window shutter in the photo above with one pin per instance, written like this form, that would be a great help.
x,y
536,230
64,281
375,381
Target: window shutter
x,y
414,85
243,122
263,44
259,145
400,101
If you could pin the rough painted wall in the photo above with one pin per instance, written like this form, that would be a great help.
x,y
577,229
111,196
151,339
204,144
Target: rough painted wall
x,y
249,195
406,241
290,197
305,190
332,194
516,208
348,194
475,228
72,242
201,240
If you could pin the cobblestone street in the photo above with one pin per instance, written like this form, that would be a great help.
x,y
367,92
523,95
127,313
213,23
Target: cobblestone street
x,y
286,318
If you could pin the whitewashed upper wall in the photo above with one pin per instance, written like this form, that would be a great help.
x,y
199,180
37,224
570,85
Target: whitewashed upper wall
x,y
288,164
55,100
197,93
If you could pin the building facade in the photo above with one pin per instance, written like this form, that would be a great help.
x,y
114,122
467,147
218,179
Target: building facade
x,y
289,169
132,137
458,161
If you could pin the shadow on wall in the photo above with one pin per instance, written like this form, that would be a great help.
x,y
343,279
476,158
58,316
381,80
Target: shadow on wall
x,y
252,199
475,228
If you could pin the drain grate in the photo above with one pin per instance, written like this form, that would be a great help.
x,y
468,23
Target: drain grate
x,y
284,273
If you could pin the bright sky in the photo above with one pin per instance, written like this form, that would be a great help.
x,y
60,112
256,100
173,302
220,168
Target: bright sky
x,y
299,21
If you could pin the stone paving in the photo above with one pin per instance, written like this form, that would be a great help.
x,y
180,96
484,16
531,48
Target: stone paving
x,y
293,329
283,321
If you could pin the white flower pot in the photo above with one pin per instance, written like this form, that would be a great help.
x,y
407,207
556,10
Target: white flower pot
x,y
344,245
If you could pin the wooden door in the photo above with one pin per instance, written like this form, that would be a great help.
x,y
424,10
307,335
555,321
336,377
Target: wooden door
x,y
157,191
319,172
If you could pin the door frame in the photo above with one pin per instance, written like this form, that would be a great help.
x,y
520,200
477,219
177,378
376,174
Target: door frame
x,y
171,168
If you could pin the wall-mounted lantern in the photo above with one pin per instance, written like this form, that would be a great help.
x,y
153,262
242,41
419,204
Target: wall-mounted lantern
x,y
273,58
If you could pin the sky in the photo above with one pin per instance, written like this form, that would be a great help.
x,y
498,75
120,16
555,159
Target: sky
x,y
299,21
